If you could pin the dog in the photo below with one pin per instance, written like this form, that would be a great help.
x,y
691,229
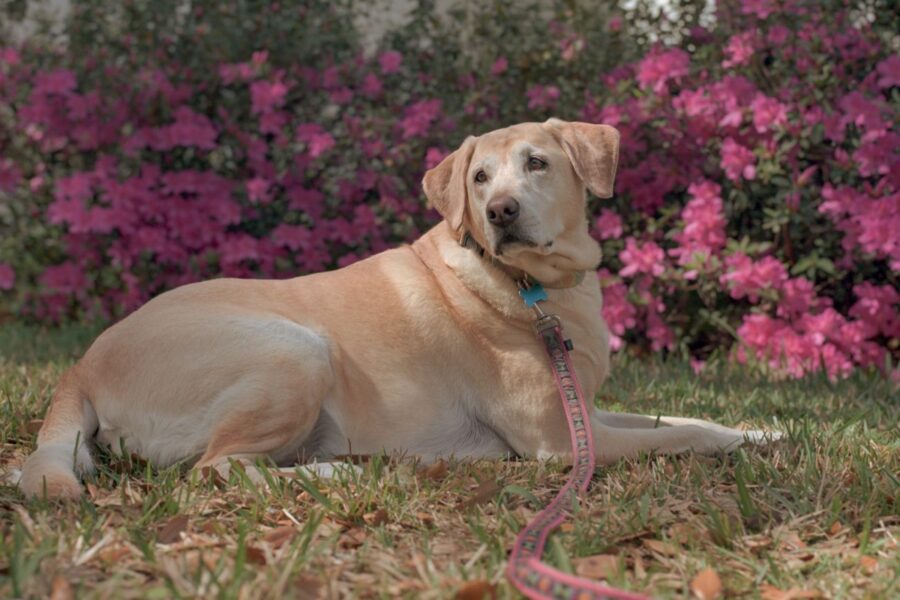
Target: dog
x,y
426,349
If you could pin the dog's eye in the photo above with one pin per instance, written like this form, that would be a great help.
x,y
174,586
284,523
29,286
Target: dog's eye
x,y
480,176
536,164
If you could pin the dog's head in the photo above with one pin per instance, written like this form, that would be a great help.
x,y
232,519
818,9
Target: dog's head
x,y
520,192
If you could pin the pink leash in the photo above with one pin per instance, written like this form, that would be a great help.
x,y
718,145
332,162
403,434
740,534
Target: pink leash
x,y
525,570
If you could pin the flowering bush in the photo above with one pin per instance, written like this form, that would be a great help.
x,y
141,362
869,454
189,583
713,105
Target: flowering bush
x,y
757,194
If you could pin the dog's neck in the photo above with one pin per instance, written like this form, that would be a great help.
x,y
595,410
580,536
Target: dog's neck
x,y
440,250
467,240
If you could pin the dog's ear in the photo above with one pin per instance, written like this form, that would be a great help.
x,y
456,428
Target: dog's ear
x,y
593,151
445,185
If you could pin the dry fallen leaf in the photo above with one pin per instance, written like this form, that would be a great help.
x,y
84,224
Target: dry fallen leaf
x,y
426,518
280,535
309,587
170,532
601,566
485,492
660,547
436,471
354,538
61,589
33,426
869,564
835,529
255,555
378,517
476,590
707,585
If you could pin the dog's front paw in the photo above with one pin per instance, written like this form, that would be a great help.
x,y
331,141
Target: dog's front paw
x,y
761,436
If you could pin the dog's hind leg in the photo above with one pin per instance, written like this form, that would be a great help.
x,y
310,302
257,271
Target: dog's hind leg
x,y
270,412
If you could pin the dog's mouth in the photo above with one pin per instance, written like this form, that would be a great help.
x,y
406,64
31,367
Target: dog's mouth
x,y
510,238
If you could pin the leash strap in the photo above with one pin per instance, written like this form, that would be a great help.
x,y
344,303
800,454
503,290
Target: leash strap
x,y
525,570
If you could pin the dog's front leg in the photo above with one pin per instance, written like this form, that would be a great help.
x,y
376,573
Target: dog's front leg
x,y
625,436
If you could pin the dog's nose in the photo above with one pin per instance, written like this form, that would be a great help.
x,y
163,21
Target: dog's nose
x,y
502,211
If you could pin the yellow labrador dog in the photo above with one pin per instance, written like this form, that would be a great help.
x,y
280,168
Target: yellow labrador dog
x,y
425,350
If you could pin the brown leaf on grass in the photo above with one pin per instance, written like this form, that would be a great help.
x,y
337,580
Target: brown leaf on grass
x,y
835,529
427,519
869,564
209,473
436,471
791,541
280,535
476,590
171,531
685,532
113,554
376,518
485,492
601,566
660,547
354,538
33,426
61,589
309,587
707,585
770,592
255,555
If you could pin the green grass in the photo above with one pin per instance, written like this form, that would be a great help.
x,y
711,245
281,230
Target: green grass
x,y
816,512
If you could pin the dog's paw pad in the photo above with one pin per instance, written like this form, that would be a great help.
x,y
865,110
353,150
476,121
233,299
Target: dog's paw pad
x,y
759,436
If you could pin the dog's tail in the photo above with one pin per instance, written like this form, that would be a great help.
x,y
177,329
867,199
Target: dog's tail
x,y
62,449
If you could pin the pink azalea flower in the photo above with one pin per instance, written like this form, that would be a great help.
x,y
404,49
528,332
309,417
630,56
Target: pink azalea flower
x,y
372,86
704,226
877,155
317,140
746,278
7,277
862,112
798,296
641,258
341,96
878,307
258,191
433,157
620,314
608,225
390,61
889,72
499,67
67,278
737,161
237,247
266,96
767,113
60,82
740,49
778,35
660,334
294,237
542,97
761,8
418,118
661,66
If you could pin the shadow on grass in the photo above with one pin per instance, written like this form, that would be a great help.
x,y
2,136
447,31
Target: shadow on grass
x,y
31,344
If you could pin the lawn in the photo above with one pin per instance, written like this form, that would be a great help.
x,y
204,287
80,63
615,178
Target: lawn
x,y
813,515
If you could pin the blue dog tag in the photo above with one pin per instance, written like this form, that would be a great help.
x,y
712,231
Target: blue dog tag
x,y
536,293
